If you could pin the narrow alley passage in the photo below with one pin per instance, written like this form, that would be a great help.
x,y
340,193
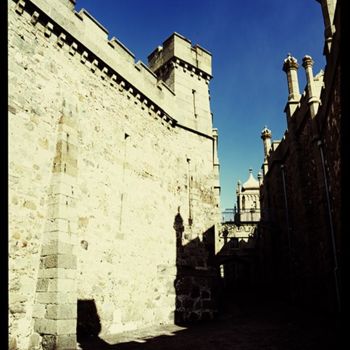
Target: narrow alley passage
x,y
246,323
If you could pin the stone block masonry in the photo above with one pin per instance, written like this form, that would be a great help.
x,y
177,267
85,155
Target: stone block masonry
x,y
56,294
99,167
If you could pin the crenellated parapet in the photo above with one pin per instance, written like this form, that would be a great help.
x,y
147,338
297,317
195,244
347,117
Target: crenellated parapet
x,y
153,87
187,70
82,37
178,52
69,3
162,72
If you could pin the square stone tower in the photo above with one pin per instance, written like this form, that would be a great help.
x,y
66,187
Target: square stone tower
x,y
186,69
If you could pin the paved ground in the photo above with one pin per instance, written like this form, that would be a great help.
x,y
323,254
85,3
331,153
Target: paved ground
x,y
243,326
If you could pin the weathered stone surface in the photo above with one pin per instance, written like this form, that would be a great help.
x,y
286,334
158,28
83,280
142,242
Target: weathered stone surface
x,y
65,261
56,297
103,165
42,285
34,341
57,247
12,343
49,342
61,311
55,327
39,310
66,341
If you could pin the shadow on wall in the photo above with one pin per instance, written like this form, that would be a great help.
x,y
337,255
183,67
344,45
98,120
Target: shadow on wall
x,y
237,260
253,326
197,278
196,287
245,322
88,324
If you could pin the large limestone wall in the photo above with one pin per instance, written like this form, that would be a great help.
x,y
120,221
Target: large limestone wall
x,y
35,101
131,189
134,170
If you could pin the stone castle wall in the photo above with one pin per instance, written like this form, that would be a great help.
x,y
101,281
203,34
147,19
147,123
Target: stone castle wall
x,y
98,171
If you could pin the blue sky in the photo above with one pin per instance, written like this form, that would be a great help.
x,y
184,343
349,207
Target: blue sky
x,y
249,41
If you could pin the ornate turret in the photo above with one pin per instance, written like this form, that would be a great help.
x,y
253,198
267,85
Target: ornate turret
x,y
248,202
251,183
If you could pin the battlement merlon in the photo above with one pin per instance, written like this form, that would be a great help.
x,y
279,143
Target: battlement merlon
x,y
69,3
179,47
86,36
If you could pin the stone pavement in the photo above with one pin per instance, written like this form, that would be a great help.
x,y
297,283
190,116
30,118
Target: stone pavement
x,y
244,326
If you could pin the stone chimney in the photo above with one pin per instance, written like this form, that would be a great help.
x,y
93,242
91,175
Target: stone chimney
x,y
290,66
313,100
266,137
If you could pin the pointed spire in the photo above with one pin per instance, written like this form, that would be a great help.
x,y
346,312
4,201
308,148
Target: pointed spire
x,y
251,182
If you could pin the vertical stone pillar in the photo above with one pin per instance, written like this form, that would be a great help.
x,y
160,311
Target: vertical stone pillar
x,y
215,147
290,66
238,194
216,164
313,101
266,137
237,217
216,186
55,309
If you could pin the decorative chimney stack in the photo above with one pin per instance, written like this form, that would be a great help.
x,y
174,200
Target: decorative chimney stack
x,y
313,101
266,137
290,66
